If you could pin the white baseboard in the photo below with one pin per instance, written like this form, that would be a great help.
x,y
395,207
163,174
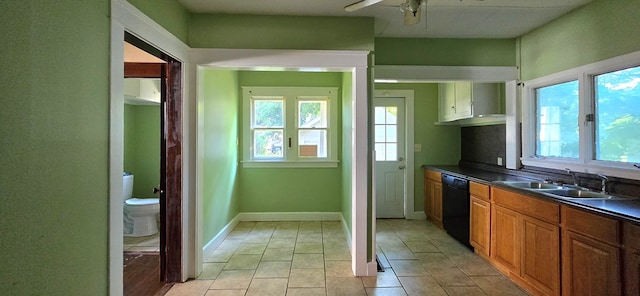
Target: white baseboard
x,y
215,242
347,233
418,215
291,216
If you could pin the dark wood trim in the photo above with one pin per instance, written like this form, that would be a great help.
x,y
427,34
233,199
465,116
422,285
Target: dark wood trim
x,y
142,70
173,168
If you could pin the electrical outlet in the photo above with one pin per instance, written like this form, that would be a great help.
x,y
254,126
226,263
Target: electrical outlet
x,y
499,160
417,147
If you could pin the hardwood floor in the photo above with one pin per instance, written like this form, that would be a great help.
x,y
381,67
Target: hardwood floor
x,y
142,274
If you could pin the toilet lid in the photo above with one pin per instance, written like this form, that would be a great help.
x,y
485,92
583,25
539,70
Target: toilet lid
x,y
142,201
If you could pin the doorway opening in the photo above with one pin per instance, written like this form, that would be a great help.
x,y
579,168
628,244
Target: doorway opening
x,y
152,90
394,147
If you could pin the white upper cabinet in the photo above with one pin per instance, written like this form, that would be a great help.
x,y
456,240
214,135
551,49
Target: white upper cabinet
x,y
465,100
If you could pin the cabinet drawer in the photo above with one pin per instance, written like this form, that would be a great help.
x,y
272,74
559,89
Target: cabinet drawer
x,y
433,175
479,190
530,206
631,234
591,225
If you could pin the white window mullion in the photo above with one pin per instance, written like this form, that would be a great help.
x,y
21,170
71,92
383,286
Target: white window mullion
x,y
586,127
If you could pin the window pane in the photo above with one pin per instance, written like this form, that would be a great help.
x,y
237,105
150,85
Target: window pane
x,y
312,114
379,133
618,116
268,113
267,143
557,120
392,114
312,143
392,134
379,115
391,152
381,154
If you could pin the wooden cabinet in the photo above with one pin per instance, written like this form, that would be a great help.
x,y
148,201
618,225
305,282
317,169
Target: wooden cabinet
x,y
631,258
480,218
591,254
540,261
455,100
433,196
505,239
525,240
464,99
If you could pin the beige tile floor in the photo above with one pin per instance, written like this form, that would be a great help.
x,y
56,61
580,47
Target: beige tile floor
x,y
149,243
312,258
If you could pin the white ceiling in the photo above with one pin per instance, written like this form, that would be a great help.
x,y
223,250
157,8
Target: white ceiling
x,y
445,18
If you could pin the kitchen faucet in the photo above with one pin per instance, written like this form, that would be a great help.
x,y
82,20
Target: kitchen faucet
x,y
573,174
604,183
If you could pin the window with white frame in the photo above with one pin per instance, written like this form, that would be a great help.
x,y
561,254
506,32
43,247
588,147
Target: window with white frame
x,y
290,126
586,118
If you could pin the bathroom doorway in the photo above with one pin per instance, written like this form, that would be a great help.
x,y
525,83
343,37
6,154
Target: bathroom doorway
x,y
164,75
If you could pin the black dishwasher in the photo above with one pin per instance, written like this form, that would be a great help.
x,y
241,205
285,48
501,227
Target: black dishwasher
x,y
455,208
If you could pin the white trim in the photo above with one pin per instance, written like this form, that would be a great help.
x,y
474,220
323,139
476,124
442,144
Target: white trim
x,y
289,216
125,17
116,160
418,215
289,164
279,59
347,233
584,74
512,122
360,172
355,62
444,73
408,96
215,242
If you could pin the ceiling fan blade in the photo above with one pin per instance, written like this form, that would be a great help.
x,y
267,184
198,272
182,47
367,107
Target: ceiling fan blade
x,y
360,4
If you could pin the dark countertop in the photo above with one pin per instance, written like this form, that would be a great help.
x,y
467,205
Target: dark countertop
x,y
628,209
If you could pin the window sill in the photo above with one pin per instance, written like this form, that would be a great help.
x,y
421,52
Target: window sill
x,y
289,164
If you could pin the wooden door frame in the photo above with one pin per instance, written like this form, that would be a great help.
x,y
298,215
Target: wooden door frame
x,y
170,75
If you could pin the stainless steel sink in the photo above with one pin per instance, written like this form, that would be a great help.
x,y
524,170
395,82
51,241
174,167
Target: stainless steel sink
x,y
566,191
580,194
531,185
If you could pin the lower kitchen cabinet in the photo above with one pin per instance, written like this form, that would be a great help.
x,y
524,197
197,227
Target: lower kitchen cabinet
x,y
590,254
505,239
631,258
480,220
525,241
433,196
540,265
589,267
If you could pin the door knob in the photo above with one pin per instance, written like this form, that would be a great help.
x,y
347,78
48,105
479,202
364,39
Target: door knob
x,y
156,190
402,167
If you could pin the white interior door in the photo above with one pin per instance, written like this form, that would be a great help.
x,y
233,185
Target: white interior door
x,y
389,141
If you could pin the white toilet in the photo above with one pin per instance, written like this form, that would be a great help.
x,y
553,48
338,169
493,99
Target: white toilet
x,y
140,214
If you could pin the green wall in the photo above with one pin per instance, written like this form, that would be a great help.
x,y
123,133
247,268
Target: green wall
x,y
280,32
347,140
54,193
445,52
220,113
169,14
142,147
287,189
598,31
440,143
